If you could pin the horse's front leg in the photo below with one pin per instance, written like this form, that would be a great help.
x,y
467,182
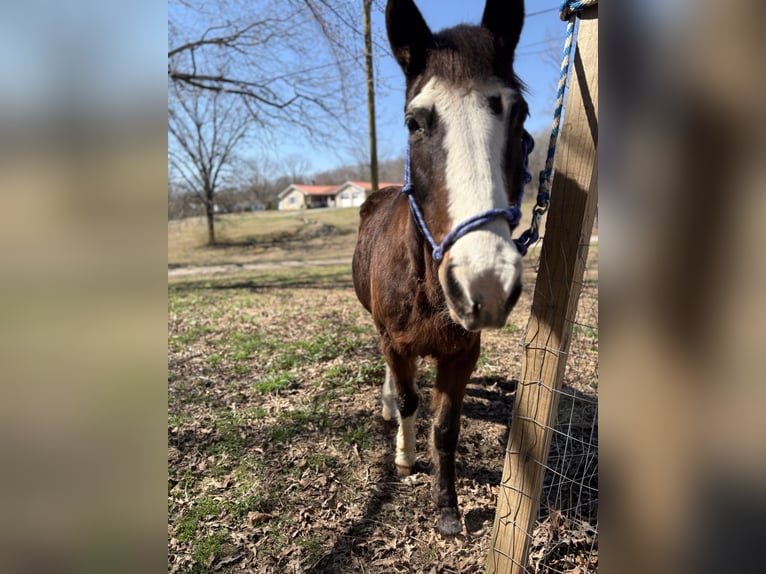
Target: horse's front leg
x,y
451,379
400,398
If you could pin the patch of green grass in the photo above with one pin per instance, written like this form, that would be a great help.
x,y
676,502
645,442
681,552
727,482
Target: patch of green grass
x,y
274,538
337,375
240,508
287,359
215,359
183,302
205,507
241,370
283,433
359,435
190,393
361,329
483,359
372,373
428,374
186,338
178,420
308,416
512,329
292,423
232,436
325,347
321,461
289,355
312,547
276,382
247,473
192,335
349,375
243,345
258,413
210,545
586,331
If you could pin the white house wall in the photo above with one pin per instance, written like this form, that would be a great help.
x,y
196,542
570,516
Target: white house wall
x,y
351,196
293,200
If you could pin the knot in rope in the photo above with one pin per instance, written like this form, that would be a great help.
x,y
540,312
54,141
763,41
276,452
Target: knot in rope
x,y
572,8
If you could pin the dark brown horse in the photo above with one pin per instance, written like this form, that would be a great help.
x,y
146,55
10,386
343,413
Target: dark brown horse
x,y
465,114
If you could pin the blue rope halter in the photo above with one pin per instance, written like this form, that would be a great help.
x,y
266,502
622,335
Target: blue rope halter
x,y
511,214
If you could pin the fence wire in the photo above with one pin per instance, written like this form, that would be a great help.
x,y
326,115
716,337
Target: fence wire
x,y
564,538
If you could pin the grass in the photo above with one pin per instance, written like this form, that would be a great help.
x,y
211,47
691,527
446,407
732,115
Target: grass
x,y
512,329
292,423
204,507
349,375
359,435
190,336
586,331
273,411
207,549
239,509
266,235
312,546
276,382
314,276
232,437
321,461
178,420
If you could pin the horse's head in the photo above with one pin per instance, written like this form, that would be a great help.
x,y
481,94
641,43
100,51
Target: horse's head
x,y
465,114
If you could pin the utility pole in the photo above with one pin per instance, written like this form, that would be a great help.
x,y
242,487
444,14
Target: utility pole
x,y
370,95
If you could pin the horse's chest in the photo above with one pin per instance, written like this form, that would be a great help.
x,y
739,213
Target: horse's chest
x,y
413,326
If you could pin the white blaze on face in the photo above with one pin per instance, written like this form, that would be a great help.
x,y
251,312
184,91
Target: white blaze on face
x,y
485,262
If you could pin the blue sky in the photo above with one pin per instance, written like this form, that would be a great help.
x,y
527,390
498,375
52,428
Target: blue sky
x,y
536,64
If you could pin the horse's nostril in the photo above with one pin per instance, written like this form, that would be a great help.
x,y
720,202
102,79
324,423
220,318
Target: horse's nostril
x,y
513,297
476,308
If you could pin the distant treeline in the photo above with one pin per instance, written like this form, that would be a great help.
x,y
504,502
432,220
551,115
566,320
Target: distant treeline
x,y
262,193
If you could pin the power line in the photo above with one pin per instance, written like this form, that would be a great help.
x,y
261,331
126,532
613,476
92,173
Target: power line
x,y
549,41
542,12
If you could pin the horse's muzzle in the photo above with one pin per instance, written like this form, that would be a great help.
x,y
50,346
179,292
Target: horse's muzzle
x,y
481,303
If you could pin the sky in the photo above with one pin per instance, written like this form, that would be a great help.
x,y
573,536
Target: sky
x,y
537,64
80,58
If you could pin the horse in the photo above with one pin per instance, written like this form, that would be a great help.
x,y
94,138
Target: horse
x,y
434,262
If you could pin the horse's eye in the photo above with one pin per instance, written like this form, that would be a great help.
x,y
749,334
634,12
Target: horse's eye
x,y
495,104
413,125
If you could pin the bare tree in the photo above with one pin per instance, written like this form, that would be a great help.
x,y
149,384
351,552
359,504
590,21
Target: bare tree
x,y
205,129
292,62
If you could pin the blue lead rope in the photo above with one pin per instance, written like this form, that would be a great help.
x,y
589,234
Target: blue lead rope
x,y
511,214
570,10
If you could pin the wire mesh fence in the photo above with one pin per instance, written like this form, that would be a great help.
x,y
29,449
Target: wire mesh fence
x,y
565,536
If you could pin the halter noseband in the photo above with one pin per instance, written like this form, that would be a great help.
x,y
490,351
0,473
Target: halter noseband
x,y
512,214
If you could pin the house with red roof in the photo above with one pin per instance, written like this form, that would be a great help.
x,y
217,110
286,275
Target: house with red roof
x,y
349,194
353,193
300,196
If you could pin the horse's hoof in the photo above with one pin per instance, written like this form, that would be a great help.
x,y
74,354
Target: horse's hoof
x,y
449,522
403,470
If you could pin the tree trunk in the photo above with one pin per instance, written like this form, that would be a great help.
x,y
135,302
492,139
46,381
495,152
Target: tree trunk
x,y
210,213
370,96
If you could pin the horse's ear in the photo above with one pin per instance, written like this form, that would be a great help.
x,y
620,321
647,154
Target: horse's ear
x,y
408,35
504,18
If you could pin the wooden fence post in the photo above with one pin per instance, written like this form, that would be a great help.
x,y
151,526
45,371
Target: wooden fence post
x,y
574,195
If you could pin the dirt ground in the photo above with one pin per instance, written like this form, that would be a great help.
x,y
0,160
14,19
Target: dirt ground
x,y
279,460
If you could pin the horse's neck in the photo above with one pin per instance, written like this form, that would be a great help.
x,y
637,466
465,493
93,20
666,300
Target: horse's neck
x,y
427,268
